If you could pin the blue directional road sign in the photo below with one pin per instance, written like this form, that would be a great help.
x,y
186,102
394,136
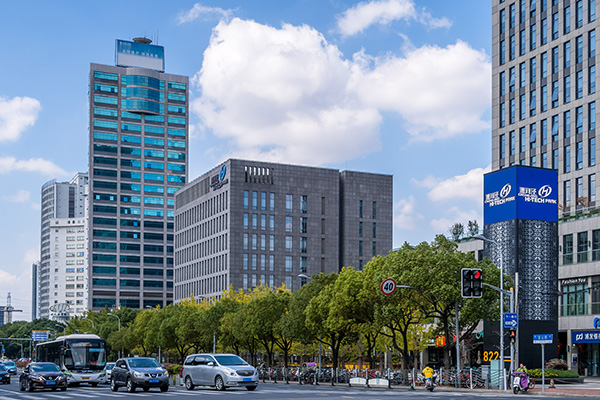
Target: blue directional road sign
x,y
543,339
511,320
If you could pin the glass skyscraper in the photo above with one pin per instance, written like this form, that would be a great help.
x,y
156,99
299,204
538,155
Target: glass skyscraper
x,y
137,161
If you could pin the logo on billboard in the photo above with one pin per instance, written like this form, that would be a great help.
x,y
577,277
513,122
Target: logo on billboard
x,y
500,197
533,195
218,181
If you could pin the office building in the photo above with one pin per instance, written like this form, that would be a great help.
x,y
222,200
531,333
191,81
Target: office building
x,y
137,161
59,200
249,222
544,100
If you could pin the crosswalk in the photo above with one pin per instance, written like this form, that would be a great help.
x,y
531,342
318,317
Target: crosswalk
x,y
93,393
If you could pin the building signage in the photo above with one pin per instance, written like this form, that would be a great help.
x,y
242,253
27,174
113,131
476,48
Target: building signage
x,y
596,323
585,336
520,192
143,55
511,320
218,181
574,281
40,336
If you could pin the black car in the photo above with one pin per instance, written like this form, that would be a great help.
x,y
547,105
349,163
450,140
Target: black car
x,y
134,372
4,375
42,375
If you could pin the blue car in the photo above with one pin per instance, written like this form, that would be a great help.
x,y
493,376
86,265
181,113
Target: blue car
x,y
10,366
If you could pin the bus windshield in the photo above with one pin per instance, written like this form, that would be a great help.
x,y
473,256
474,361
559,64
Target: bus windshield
x,y
83,355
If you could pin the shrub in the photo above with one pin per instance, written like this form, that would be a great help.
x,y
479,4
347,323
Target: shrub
x,y
173,369
557,363
552,373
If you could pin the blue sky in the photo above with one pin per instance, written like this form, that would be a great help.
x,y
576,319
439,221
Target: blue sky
x,y
399,87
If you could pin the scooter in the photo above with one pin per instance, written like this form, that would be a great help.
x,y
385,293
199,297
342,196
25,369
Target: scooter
x,y
430,383
521,382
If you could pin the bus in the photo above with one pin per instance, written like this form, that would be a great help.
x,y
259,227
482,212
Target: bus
x,y
81,357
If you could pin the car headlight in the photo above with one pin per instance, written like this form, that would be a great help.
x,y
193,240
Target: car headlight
x,y
36,377
230,372
138,374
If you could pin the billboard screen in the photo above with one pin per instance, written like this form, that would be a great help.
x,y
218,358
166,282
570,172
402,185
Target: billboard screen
x,y
143,55
520,192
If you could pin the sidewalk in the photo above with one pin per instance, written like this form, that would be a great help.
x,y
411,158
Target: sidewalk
x,y
591,388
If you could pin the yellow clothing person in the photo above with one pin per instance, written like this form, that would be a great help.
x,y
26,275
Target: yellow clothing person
x,y
428,372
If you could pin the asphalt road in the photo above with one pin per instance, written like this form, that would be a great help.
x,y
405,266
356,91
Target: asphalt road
x,y
264,391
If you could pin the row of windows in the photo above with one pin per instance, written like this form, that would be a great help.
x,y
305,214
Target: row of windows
x,y
148,141
581,200
204,210
129,127
143,105
103,148
207,266
204,286
103,270
544,26
148,284
202,230
99,302
205,248
518,108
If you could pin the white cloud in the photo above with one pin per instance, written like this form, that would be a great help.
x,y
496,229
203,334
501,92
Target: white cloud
x,y
384,12
405,215
454,215
198,9
39,165
467,186
282,95
16,115
21,196
288,95
440,92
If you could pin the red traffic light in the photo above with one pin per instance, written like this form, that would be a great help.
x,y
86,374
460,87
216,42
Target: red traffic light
x,y
477,274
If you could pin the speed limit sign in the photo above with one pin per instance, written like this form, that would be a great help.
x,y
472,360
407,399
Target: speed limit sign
x,y
388,286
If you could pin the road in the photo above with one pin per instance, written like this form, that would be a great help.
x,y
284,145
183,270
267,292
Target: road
x,y
264,391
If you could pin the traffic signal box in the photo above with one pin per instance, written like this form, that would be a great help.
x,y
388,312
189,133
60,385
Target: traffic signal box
x,y
471,283
513,336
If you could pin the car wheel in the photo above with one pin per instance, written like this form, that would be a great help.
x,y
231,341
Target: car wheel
x,y
94,384
113,386
219,384
130,386
188,383
64,389
251,388
164,388
21,386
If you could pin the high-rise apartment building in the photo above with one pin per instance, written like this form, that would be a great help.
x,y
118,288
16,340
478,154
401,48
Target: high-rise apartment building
x,y
247,222
59,200
544,115
34,289
137,161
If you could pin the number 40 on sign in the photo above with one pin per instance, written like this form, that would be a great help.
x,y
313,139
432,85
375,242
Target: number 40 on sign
x,y
388,286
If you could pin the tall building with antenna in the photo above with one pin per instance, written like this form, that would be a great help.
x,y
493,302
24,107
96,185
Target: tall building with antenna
x,y
138,127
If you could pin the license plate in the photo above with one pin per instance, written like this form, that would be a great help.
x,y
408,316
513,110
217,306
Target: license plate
x,y
153,381
247,379
85,378
50,383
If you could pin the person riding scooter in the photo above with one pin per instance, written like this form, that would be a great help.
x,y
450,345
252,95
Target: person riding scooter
x,y
428,374
521,380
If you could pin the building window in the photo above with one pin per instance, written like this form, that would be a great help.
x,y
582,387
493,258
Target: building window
x,y
360,248
245,199
579,84
254,262
574,300
360,229
555,159
567,19
271,243
591,10
271,263
374,230
596,245
254,240
245,281
360,208
303,264
271,222
554,26
511,143
502,149
288,244
579,14
544,160
579,157
568,249
522,141
303,225
254,200
272,201
592,152
592,79
374,249
303,204
532,137
579,190
288,263
288,282
263,222
245,241
544,102
567,194
511,50
544,32
554,94
263,242
289,224
502,52
254,221
303,244
532,37
567,159
289,203
567,89
245,261
245,220
592,188
567,124
567,54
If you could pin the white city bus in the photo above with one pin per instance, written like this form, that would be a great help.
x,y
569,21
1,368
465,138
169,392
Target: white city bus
x,y
81,357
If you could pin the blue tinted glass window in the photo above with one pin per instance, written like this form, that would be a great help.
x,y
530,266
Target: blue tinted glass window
x,y
154,165
176,96
130,139
177,85
154,141
105,88
141,80
154,177
144,105
176,132
154,189
106,100
130,115
172,190
105,136
106,75
131,163
173,155
154,200
106,112
154,118
176,120
176,143
176,167
154,129
154,153
105,124
176,179
131,127
176,109
131,150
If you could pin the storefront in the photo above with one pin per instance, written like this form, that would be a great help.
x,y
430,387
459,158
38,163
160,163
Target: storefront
x,y
587,357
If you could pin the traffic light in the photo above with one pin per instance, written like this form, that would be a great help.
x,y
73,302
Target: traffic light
x,y
513,336
471,283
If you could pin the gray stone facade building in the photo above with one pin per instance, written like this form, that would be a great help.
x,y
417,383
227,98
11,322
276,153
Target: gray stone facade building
x,y
247,222
544,99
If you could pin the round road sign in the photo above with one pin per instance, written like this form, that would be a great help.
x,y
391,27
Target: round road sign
x,y
388,286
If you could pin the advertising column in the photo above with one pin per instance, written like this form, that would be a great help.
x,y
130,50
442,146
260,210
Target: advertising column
x,y
521,221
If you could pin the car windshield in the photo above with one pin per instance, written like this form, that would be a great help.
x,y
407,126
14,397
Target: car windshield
x,y
3,368
9,363
44,368
230,360
110,366
143,363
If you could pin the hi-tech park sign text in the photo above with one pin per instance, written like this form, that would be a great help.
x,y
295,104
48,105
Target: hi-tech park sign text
x,y
520,192
218,181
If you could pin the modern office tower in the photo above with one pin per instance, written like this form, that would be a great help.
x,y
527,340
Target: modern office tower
x,y
249,222
138,160
34,289
59,200
544,115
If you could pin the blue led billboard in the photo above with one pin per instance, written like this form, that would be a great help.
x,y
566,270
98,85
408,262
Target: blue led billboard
x,y
143,55
520,192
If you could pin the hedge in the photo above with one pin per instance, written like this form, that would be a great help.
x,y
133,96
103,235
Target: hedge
x,y
552,373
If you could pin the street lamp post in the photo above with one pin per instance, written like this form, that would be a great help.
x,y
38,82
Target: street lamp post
x,y
87,319
481,237
119,319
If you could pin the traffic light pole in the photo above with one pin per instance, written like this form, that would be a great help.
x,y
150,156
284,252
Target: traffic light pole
x,y
512,344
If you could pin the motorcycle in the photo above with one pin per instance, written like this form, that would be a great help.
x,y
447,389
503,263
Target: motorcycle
x,y
521,382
